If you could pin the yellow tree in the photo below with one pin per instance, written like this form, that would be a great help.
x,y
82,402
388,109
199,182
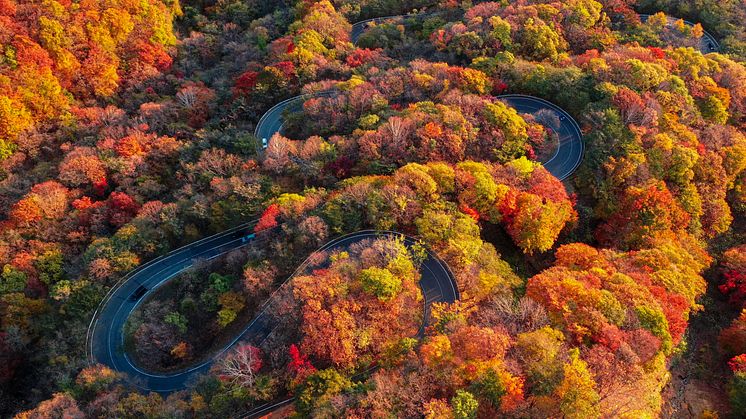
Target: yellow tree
x,y
577,391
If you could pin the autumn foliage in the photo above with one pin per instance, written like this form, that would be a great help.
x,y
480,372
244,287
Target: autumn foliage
x,y
126,133
268,219
50,63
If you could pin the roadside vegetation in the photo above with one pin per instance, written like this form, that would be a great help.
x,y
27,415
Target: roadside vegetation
x,y
125,132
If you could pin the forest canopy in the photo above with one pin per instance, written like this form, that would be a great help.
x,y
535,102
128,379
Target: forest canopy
x,y
127,130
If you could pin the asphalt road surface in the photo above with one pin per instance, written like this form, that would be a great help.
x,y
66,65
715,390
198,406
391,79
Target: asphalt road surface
x,y
106,333
271,122
105,338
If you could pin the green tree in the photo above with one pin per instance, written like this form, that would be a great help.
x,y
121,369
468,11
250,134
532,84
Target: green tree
x,y
737,394
220,283
231,304
489,386
501,31
539,41
645,76
513,127
178,320
318,390
713,109
464,405
13,280
540,352
380,282
49,265
655,321
395,352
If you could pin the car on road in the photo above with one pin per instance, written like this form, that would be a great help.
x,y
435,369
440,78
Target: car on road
x,y
139,292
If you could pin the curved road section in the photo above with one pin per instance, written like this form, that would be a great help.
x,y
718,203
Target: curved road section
x,y
566,159
106,332
707,43
569,152
105,337
358,28
271,122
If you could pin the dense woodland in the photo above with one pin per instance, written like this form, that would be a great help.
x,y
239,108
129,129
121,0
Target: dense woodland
x,y
126,131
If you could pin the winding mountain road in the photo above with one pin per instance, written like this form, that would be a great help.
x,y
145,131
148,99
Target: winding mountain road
x,y
105,339
566,159
106,333
569,153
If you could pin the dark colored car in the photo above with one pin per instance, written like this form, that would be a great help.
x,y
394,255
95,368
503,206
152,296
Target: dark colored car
x,y
139,292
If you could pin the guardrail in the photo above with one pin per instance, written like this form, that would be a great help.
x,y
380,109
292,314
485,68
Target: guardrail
x,y
107,297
